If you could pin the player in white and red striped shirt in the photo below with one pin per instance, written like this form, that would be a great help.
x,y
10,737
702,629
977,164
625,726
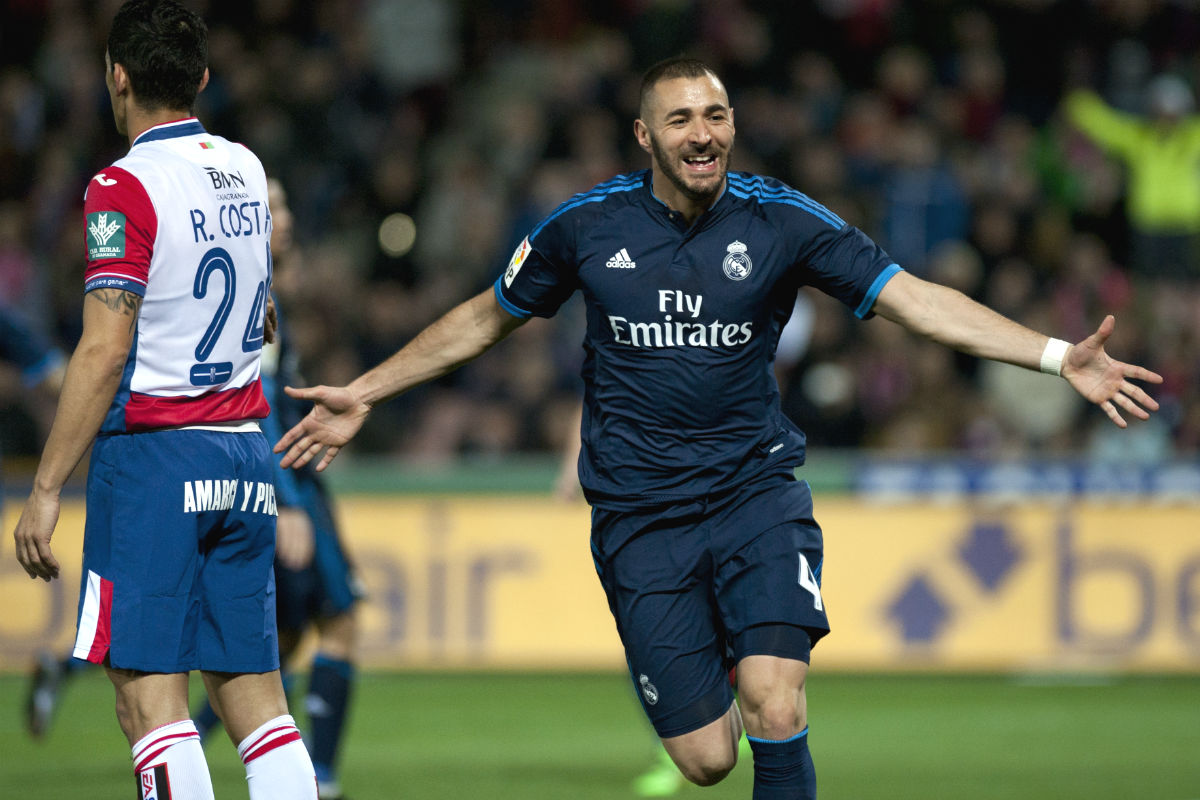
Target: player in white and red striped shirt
x,y
164,386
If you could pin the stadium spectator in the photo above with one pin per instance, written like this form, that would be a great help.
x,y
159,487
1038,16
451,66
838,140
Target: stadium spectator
x,y
169,407
686,457
1161,153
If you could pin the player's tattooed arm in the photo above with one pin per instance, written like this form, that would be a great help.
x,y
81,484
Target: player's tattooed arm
x,y
121,302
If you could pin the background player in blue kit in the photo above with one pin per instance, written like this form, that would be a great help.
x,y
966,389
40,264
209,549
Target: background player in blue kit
x,y
164,387
315,582
703,538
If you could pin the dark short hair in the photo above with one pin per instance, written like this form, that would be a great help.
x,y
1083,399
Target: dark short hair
x,y
164,50
669,69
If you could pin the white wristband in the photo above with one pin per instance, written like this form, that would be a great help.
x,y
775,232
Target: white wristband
x,y
1052,356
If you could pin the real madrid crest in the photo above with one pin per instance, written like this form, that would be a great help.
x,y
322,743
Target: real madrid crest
x,y
737,264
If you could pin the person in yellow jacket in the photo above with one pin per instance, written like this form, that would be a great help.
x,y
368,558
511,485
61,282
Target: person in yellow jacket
x,y
1161,154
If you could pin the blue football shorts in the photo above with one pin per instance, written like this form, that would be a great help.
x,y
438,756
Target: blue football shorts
x,y
326,587
696,586
177,553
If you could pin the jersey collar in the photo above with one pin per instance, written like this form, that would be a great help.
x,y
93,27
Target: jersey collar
x,y
674,217
171,130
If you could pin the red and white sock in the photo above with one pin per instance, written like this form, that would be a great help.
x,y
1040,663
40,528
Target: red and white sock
x,y
169,764
277,763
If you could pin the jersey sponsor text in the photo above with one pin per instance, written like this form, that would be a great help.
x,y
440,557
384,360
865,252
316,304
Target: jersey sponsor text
x,y
672,332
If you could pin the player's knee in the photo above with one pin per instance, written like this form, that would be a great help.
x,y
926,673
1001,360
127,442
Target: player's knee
x,y
706,766
774,714
707,771
339,635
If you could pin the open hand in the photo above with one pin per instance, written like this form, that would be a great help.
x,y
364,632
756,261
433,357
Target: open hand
x,y
336,417
1106,382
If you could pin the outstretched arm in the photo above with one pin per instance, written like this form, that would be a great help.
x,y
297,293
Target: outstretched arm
x,y
462,334
953,319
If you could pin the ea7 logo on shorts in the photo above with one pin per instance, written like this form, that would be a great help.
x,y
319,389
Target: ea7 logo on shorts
x,y
105,235
514,266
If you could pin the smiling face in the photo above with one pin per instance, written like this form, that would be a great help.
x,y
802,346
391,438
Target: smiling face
x,y
687,127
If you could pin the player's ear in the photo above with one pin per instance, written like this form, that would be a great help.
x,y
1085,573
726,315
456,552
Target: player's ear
x,y
120,79
203,81
642,133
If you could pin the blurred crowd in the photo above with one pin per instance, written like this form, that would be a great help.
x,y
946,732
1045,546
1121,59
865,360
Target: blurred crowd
x,y
420,140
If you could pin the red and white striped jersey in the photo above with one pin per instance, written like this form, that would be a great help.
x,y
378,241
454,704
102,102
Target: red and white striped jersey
x,y
182,220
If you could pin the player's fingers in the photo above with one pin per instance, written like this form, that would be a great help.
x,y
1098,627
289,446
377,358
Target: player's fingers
x,y
307,393
329,456
1142,374
1113,414
1104,331
301,453
30,560
1139,396
285,443
1132,407
23,556
48,561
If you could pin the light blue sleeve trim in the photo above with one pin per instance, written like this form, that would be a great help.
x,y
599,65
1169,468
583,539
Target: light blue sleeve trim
x,y
799,735
516,311
864,308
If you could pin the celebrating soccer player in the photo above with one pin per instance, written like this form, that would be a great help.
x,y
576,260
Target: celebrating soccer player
x,y
704,540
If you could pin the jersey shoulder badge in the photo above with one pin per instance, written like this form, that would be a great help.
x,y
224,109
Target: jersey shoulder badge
x,y
105,235
514,265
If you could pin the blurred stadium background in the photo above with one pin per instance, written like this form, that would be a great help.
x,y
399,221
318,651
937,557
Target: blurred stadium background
x,y
1014,584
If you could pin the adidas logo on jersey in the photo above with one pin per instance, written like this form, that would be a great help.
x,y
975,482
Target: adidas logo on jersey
x,y
621,261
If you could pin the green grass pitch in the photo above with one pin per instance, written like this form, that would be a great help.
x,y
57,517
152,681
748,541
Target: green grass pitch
x,y
580,736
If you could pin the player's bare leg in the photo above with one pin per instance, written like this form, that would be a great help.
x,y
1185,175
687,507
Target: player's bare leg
x,y
168,759
255,715
775,712
706,755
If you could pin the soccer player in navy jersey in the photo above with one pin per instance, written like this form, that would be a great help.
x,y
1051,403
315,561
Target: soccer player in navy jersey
x,y
164,388
703,538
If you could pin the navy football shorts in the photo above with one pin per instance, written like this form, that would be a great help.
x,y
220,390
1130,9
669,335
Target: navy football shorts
x,y
177,553
695,583
327,586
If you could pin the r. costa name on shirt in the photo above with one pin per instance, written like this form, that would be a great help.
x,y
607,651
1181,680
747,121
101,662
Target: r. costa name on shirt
x,y
224,495
234,220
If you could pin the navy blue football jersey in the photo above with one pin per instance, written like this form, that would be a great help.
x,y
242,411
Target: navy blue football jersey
x,y
682,323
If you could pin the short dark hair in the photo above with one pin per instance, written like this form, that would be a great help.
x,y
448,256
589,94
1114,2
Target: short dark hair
x,y
164,50
669,69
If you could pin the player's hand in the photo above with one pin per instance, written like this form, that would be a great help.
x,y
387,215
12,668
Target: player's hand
x,y
32,535
271,321
336,417
1106,382
294,540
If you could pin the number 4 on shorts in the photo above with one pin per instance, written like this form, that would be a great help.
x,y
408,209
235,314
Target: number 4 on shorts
x,y
809,581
